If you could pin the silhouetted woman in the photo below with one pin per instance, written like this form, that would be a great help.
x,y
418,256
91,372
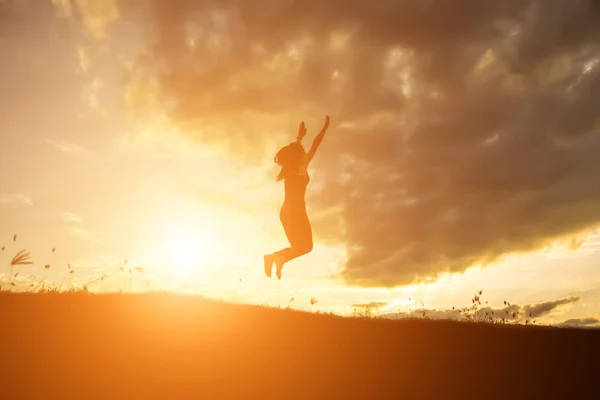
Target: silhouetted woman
x,y
294,164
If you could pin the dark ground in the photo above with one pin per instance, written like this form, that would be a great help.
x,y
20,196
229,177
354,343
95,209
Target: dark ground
x,y
161,346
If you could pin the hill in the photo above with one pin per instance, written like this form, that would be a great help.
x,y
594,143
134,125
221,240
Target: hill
x,y
166,346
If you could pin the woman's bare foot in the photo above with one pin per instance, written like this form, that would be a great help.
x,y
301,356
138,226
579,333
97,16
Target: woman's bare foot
x,y
268,259
279,264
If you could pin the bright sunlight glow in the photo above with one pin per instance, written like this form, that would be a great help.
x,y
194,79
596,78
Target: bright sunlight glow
x,y
181,243
185,253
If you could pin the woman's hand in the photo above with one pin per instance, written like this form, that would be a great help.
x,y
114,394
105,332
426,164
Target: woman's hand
x,y
326,122
301,131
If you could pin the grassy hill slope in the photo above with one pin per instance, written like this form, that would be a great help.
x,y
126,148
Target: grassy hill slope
x,y
164,346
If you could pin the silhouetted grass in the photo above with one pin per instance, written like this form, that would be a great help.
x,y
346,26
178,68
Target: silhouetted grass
x,y
23,257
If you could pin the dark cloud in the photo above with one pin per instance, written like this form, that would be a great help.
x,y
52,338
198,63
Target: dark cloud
x,y
511,312
462,130
540,309
581,322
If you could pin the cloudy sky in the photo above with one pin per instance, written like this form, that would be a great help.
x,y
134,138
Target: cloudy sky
x,y
463,154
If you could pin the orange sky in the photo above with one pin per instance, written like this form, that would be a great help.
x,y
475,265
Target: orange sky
x,y
460,149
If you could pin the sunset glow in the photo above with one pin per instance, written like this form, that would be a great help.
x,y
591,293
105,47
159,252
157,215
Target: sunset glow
x,y
462,154
185,253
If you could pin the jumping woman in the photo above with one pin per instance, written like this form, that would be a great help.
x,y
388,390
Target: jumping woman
x,y
294,163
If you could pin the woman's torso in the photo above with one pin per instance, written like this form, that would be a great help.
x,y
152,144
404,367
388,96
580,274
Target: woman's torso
x,y
295,190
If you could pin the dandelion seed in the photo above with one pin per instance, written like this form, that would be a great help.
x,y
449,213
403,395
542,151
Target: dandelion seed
x,y
71,271
504,302
139,269
313,301
12,284
53,250
47,266
125,262
2,248
15,238
121,268
17,274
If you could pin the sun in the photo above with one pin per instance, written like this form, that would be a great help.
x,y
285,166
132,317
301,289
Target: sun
x,y
182,245
185,253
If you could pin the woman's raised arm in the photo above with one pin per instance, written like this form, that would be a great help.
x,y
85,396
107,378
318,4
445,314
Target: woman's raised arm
x,y
317,141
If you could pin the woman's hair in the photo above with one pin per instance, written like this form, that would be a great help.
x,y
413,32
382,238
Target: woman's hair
x,y
289,159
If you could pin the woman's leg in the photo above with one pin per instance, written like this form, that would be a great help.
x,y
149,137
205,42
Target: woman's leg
x,y
299,233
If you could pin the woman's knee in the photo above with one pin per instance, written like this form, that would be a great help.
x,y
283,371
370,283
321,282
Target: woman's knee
x,y
303,247
307,246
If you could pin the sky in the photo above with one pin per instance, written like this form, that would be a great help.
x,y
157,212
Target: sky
x,y
137,139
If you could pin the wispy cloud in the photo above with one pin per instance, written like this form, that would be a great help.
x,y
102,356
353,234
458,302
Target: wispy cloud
x,y
65,146
80,232
376,305
71,217
62,8
16,198
84,59
102,260
91,90
97,16
577,247
19,283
